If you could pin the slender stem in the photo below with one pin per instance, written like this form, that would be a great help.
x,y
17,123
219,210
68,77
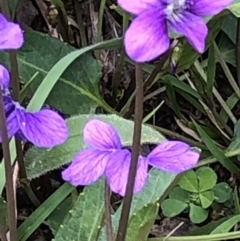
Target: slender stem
x,y
11,202
108,218
238,51
135,154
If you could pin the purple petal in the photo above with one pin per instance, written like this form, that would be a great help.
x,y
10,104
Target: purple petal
x,y
11,34
208,7
44,128
101,135
193,28
118,168
173,156
4,78
138,6
147,36
11,119
86,167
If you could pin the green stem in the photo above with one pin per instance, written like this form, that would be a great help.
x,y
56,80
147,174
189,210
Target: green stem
x,y
210,237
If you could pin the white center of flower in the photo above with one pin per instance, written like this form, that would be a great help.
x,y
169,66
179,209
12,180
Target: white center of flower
x,y
174,8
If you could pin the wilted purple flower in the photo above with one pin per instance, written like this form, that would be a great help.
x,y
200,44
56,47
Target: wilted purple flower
x,y
147,37
44,128
105,156
11,34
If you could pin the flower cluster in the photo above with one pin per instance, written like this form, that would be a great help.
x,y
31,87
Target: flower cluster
x,y
44,128
147,37
105,155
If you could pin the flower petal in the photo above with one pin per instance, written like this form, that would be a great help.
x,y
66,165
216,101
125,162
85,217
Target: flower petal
x,y
138,6
4,78
101,135
86,167
193,28
208,7
11,34
44,128
173,156
118,168
11,119
147,36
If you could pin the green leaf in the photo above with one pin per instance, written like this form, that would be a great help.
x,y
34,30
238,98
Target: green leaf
x,y
155,190
206,198
235,8
43,211
227,49
57,216
141,222
207,178
208,228
180,194
172,207
172,98
189,181
215,151
84,219
236,203
222,192
3,213
197,214
83,73
180,85
39,161
227,225
232,100
230,20
211,69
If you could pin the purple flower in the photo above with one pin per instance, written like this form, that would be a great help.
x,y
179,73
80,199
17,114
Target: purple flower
x,y
105,156
11,34
147,37
44,128
4,79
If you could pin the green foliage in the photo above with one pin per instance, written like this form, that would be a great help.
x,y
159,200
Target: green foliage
x,y
141,222
222,192
85,218
40,54
195,193
68,79
56,218
3,212
43,211
235,8
173,207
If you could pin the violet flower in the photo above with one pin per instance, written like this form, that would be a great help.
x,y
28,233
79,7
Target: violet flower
x,y
11,34
147,37
106,156
44,128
